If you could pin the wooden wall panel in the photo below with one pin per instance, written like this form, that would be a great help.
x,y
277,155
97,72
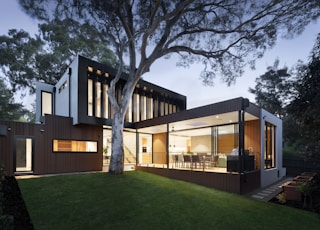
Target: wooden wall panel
x,y
201,144
252,139
159,147
226,142
7,148
229,182
45,161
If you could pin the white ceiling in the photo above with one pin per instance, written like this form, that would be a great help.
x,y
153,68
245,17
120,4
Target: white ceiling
x,y
221,119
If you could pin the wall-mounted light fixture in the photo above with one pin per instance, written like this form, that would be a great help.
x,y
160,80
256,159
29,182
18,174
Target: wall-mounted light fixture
x,y
42,130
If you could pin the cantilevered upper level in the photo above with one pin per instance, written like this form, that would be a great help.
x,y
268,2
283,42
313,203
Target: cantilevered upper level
x,y
81,93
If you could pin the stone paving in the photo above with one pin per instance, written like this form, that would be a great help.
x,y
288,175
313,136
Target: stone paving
x,y
267,193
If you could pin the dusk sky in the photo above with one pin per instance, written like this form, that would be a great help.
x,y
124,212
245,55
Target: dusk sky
x,y
186,80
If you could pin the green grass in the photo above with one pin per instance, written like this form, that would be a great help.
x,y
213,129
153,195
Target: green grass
x,y
138,200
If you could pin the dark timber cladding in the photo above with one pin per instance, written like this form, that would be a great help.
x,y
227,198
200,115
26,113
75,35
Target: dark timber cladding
x,y
45,161
229,182
232,105
7,146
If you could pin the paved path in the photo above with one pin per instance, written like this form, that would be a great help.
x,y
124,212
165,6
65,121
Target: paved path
x,y
267,193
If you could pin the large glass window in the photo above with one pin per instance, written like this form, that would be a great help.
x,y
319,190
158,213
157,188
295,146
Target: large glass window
x,y
136,107
269,146
98,100
105,101
228,138
143,108
129,141
149,108
90,97
162,110
23,154
46,103
145,148
156,107
74,146
129,112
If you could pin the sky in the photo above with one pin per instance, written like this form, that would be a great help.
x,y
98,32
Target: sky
x,y
186,81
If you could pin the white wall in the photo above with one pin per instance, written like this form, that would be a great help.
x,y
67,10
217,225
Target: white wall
x,y
66,99
40,87
269,176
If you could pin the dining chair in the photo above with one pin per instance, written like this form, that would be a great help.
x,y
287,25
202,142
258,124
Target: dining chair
x,y
195,160
215,160
187,160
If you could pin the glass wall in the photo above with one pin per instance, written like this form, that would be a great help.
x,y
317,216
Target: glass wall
x,y
98,100
145,103
269,146
75,146
145,148
90,97
23,154
206,142
105,101
129,139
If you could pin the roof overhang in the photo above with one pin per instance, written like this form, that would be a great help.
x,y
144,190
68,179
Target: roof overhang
x,y
222,113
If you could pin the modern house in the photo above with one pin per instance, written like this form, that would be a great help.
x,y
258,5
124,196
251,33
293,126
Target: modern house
x,y
232,145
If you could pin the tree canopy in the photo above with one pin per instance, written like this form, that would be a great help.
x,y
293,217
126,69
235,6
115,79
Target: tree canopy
x,y
305,105
9,109
223,35
273,89
26,59
295,96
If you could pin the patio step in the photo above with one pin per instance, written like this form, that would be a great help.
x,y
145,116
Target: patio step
x,y
267,193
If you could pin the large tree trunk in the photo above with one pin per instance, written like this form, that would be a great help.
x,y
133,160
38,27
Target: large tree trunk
x,y
117,157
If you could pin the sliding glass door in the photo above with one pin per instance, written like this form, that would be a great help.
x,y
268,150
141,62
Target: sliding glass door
x,y
23,154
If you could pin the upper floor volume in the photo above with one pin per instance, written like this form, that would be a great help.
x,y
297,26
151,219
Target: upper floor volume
x,y
81,93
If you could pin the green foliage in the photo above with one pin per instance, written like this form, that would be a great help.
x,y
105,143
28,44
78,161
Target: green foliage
x,y
272,90
9,110
224,35
307,189
6,222
295,99
19,54
281,197
25,59
305,107
139,200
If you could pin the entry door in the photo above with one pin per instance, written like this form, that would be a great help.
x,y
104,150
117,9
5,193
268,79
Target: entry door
x,y
23,155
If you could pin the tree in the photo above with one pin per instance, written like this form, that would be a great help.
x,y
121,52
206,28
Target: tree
x,y
25,59
9,110
223,35
273,89
305,104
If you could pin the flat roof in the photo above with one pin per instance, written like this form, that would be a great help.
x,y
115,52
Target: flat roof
x,y
221,113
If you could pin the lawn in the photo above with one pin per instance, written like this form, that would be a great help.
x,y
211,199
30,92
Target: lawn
x,y
139,200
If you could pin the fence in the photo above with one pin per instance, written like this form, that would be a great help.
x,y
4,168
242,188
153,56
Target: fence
x,y
297,165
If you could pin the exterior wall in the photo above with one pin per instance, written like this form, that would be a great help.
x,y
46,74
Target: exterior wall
x,y
45,161
66,96
229,182
269,176
14,129
40,87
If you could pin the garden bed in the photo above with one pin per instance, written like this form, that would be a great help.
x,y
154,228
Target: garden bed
x,y
291,195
